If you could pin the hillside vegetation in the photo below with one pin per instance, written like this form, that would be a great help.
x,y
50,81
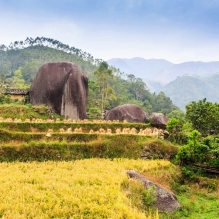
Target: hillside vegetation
x,y
20,61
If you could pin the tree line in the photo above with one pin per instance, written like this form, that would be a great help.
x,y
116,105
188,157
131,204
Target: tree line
x,y
51,43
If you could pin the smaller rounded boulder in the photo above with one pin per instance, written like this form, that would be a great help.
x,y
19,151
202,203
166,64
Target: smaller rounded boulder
x,y
159,120
128,112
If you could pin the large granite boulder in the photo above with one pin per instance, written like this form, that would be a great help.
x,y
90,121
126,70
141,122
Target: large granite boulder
x,y
164,200
63,86
128,112
159,120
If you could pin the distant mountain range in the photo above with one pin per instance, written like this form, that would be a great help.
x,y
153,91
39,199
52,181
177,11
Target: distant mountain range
x,y
182,82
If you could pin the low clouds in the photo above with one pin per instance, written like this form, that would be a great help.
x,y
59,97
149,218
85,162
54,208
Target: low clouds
x,y
60,29
178,31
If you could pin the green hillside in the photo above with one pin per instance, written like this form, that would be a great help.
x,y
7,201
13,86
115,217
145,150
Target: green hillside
x,y
189,88
20,61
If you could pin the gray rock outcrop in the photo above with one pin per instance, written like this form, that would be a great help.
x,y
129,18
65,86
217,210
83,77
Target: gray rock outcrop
x,y
62,86
165,201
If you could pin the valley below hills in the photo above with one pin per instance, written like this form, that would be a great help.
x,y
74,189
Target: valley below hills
x,y
183,83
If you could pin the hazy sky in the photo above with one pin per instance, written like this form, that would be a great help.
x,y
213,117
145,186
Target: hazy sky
x,y
176,30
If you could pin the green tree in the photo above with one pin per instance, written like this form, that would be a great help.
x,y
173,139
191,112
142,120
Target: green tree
x,y
204,116
17,81
174,127
196,151
162,103
29,71
102,73
136,87
92,103
3,84
179,114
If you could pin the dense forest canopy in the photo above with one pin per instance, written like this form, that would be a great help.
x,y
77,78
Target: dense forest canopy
x,y
20,61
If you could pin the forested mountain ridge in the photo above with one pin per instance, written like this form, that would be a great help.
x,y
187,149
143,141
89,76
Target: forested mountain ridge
x,y
32,53
192,88
189,68
20,61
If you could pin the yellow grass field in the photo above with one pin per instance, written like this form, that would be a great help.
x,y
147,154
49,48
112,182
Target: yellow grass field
x,y
89,188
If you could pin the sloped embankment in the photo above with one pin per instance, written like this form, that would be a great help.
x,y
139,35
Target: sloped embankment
x,y
49,140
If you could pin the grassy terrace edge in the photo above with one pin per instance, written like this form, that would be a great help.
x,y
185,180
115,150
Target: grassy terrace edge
x,y
29,146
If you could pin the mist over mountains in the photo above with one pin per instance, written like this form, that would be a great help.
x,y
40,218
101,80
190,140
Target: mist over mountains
x,y
184,82
142,68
